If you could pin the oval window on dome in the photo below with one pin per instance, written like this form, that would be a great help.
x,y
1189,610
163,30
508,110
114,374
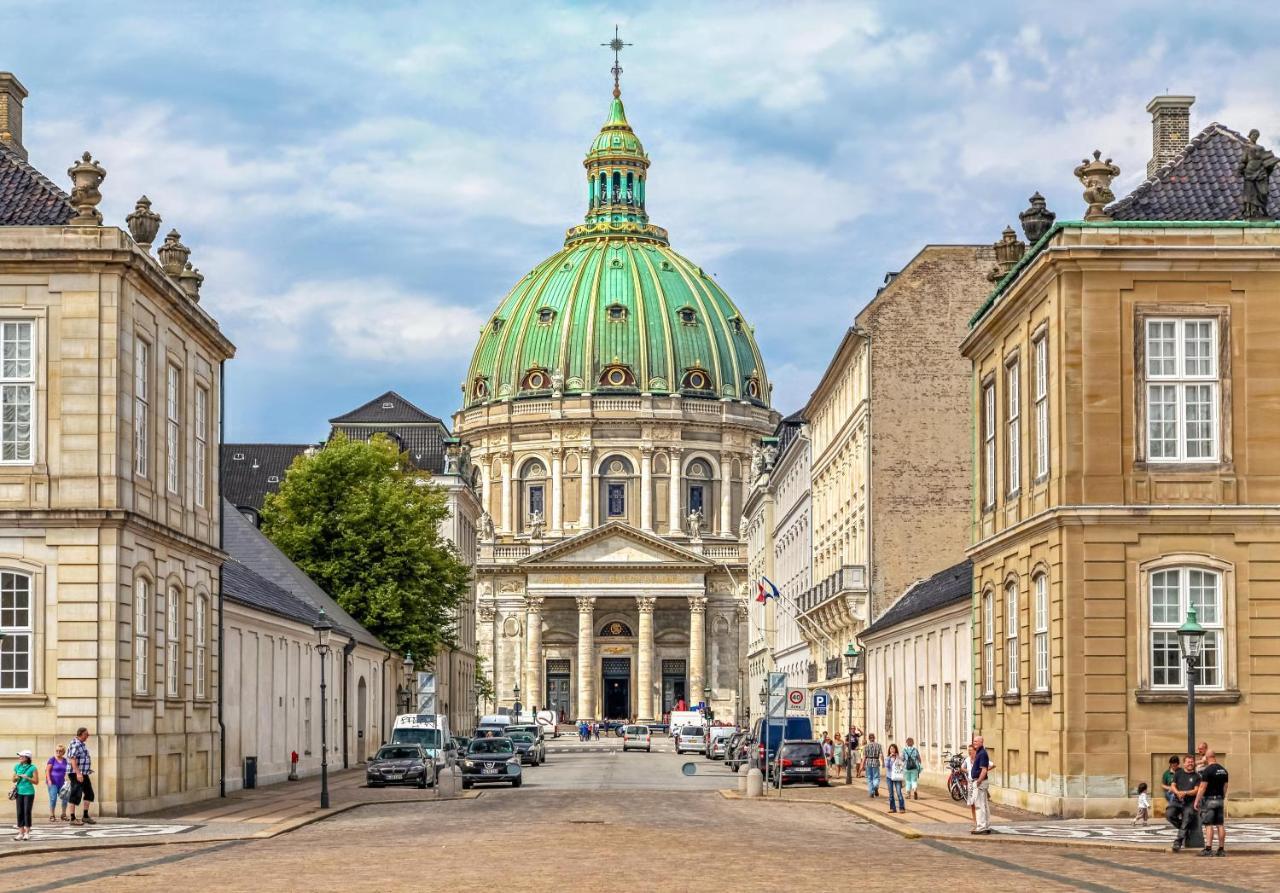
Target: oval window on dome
x,y
617,377
616,312
753,387
480,388
536,380
688,316
697,380
545,316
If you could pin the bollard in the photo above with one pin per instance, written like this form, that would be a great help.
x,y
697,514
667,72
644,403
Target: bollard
x,y
755,783
293,766
742,782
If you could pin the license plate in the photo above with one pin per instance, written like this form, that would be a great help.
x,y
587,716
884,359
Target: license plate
x,y
395,775
487,770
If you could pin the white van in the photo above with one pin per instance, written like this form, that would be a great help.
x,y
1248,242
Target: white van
x,y
431,730
681,718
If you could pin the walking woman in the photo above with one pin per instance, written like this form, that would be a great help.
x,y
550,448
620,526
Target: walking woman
x,y
896,773
27,777
911,763
55,773
837,759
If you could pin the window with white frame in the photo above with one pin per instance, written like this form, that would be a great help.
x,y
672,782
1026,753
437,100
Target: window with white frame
x,y
141,408
17,626
173,431
1041,397
173,641
989,445
948,730
17,391
1182,390
1013,426
202,640
922,720
141,636
1012,667
202,443
1172,592
1040,587
989,644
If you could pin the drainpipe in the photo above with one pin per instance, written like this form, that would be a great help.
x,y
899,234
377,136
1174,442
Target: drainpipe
x,y
222,726
868,474
389,720
346,656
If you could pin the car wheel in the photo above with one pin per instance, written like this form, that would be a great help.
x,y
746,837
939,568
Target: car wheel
x,y
466,784
517,782
422,782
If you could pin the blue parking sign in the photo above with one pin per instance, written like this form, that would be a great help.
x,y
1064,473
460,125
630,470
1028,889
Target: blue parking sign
x,y
820,701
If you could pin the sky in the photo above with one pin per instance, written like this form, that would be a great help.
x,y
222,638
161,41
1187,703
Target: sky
x,y
362,183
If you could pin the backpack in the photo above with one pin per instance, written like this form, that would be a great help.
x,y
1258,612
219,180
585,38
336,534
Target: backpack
x,y
912,759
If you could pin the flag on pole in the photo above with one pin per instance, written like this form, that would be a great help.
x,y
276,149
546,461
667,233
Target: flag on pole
x,y
773,590
760,596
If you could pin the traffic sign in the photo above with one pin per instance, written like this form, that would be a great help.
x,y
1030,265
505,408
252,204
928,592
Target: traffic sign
x,y
797,698
821,699
777,694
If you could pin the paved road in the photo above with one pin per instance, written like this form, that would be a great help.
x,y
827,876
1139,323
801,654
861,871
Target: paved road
x,y
594,817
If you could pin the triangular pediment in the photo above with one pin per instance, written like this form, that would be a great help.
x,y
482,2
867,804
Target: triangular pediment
x,y
615,544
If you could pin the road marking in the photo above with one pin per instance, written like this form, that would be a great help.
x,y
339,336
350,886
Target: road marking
x,y
1020,869
1180,878
124,869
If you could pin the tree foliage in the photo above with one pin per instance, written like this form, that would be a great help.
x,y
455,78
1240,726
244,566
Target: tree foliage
x,y
355,518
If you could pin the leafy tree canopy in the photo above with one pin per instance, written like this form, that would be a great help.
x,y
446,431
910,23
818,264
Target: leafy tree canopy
x,y
359,522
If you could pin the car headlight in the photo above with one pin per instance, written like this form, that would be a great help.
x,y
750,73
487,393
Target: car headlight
x,y
469,764
515,759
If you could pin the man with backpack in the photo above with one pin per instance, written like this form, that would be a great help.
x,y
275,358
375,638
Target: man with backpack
x,y
911,763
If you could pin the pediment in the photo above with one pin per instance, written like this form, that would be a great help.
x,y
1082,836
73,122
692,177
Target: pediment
x,y
615,544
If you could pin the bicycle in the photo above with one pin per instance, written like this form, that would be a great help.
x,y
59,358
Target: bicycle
x,y
957,779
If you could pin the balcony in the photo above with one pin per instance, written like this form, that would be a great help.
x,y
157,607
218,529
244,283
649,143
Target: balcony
x,y
848,580
833,668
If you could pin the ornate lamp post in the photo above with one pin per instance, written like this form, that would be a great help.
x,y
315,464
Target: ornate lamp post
x,y
324,628
404,691
851,659
516,706
764,694
1191,639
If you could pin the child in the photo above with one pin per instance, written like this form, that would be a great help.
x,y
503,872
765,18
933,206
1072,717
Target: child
x,y
1144,805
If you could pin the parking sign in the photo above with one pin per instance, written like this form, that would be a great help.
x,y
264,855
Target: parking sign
x,y
820,701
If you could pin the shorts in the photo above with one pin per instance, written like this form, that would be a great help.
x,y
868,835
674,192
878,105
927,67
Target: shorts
x,y
1213,811
81,790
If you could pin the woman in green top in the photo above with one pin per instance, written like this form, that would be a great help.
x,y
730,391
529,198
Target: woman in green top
x,y
27,777
911,762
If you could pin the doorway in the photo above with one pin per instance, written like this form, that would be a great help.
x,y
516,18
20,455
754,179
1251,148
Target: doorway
x,y
558,689
616,675
673,685
362,709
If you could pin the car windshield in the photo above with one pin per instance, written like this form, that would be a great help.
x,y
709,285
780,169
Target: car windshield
x,y
692,731
802,750
520,737
490,745
428,738
398,753
636,730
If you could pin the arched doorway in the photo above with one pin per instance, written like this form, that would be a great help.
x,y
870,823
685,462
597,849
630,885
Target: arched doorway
x,y
362,712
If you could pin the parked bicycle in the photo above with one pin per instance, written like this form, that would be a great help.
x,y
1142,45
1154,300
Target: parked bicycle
x,y
957,779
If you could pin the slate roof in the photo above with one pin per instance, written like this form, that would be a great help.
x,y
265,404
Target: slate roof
x,y
1200,184
28,197
242,585
423,443
247,480
389,409
955,584
245,543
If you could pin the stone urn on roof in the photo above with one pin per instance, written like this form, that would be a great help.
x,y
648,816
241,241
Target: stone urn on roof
x,y
1096,176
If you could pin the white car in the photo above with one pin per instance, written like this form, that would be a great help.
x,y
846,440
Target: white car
x,y
635,738
691,738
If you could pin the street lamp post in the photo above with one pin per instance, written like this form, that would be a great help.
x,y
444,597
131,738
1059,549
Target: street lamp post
x,y
851,655
516,705
404,691
1191,639
324,628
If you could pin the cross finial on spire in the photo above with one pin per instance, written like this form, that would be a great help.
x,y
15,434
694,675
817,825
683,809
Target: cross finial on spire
x,y
616,45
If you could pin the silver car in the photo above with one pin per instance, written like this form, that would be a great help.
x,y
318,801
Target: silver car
x,y
691,739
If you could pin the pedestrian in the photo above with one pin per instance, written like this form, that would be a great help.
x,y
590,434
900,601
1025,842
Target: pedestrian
x,y
1186,784
981,792
893,767
855,739
1166,780
1201,750
1144,805
838,753
597,730
26,776
966,765
1211,802
81,776
55,775
911,766
871,765
828,748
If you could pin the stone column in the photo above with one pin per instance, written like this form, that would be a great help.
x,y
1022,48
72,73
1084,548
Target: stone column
x,y
584,514
646,488
557,495
726,493
534,690
697,646
675,524
507,526
586,657
644,659
506,673
485,505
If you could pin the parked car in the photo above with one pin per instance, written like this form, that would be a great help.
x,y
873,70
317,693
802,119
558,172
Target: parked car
x,y
717,737
735,749
400,764
802,762
461,742
529,745
431,732
766,736
490,760
637,737
531,728
658,728
691,738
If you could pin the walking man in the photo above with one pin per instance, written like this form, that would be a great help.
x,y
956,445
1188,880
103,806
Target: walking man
x,y
81,776
871,765
981,794
1211,802
1186,785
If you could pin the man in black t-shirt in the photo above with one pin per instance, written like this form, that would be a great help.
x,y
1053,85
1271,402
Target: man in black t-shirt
x,y
1211,800
1186,783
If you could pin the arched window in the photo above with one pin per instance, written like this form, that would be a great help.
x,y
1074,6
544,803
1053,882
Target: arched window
x,y
545,316
615,473
17,632
202,645
616,629
173,642
142,636
617,376
1173,591
698,488
1012,666
616,313
533,483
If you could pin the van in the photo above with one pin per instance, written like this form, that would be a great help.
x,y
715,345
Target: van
x,y
681,718
431,732
761,752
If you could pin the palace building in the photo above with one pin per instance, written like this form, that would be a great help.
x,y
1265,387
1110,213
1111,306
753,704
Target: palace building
x,y
611,410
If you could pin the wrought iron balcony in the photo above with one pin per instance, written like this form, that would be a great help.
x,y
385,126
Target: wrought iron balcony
x,y
849,579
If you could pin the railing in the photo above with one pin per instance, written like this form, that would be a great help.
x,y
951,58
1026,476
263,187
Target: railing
x,y
510,553
731,553
850,578
617,404
531,407
702,407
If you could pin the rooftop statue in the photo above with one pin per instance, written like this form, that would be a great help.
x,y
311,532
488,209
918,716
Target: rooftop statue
x,y
1256,167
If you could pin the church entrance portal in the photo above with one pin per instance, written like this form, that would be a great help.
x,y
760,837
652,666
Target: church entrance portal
x,y
673,685
616,674
558,689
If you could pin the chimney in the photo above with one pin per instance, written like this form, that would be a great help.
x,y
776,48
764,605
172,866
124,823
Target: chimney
x,y
1170,129
11,95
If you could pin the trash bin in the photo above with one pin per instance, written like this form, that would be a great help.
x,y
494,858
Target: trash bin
x,y
250,772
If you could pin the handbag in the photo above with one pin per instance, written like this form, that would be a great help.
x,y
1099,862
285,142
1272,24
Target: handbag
x,y
13,792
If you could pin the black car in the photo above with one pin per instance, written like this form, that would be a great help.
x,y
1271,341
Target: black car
x,y
461,742
400,764
530,747
491,760
803,763
735,750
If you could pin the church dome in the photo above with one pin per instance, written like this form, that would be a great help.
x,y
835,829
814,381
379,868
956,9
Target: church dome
x,y
616,311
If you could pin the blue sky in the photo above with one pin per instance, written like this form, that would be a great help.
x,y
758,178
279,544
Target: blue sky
x,y
361,184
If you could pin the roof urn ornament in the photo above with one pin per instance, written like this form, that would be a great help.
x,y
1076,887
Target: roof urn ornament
x,y
1096,176
86,176
173,254
1009,251
144,223
1256,166
190,279
1037,219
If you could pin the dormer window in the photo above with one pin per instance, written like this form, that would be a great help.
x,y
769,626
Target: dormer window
x,y
480,388
697,380
388,406
737,324
616,313
273,479
753,387
687,316
496,325
536,380
237,457
617,376
545,316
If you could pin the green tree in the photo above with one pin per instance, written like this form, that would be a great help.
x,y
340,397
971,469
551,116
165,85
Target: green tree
x,y
355,518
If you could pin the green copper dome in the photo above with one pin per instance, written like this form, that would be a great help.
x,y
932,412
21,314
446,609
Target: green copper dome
x,y
617,310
